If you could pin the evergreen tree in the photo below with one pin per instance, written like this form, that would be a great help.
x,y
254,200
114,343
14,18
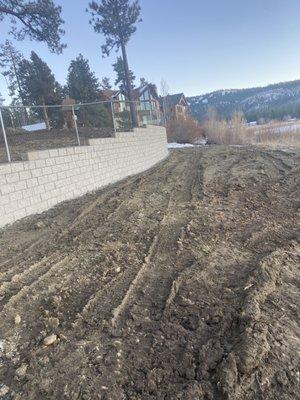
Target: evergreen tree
x,y
10,59
116,20
40,20
83,86
38,84
121,78
105,84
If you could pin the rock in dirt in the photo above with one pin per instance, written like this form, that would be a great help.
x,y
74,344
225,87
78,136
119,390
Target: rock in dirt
x,y
49,340
21,371
40,225
4,390
282,378
17,319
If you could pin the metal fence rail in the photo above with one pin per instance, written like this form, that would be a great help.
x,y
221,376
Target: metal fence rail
x,y
27,128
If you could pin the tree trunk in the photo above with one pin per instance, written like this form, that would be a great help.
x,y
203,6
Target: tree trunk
x,y
129,88
46,117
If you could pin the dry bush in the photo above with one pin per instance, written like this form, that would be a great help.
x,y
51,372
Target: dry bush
x,y
221,131
185,130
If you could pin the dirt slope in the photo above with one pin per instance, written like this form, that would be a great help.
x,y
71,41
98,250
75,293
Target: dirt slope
x,y
180,283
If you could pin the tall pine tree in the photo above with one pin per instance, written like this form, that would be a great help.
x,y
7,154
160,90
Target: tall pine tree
x,y
83,86
116,20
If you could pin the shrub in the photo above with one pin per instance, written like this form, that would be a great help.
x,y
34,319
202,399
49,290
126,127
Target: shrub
x,y
221,131
184,130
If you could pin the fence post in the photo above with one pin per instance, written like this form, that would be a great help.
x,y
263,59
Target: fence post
x,y
113,116
4,135
75,123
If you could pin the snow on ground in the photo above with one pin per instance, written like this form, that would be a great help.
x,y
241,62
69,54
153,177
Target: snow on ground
x,y
34,127
199,142
175,145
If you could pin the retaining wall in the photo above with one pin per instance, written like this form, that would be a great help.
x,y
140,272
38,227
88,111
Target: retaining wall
x,y
52,176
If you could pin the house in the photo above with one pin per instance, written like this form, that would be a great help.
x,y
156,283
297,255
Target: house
x,y
175,106
116,97
148,104
146,100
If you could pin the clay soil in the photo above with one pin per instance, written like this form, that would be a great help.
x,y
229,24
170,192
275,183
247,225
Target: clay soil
x,y
181,283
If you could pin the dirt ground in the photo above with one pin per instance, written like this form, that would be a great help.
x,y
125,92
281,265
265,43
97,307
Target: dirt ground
x,y
181,283
21,143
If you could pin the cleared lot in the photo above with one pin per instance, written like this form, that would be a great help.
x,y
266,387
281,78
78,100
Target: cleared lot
x,y
180,283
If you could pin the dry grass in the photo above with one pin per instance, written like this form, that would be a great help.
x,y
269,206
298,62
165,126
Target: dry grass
x,y
270,137
184,130
236,132
222,131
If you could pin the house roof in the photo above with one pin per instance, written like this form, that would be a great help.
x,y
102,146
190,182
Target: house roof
x,y
174,99
137,92
109,94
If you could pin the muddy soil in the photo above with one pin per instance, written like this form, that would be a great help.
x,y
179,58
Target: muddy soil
x,y
181,283
20,143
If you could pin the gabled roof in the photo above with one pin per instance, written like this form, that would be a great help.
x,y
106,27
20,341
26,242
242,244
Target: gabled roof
x,y
137,92
174,99
109,94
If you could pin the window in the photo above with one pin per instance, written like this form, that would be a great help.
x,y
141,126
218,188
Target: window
x,y
145,101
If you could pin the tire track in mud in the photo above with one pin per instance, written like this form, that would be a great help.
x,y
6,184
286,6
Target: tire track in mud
x,y
155,275
104,198
120,282
90,294
25,274
100,305
167,250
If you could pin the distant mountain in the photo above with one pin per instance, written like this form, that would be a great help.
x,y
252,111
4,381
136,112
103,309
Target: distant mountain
x,y
273,101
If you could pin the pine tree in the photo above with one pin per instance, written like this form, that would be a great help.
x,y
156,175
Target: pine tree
x,y
39,20
10,59
38,84
116,20
121,78
83,86
105,84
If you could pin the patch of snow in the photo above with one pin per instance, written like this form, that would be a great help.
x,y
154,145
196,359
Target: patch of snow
x,y
34,127
175,145
205,101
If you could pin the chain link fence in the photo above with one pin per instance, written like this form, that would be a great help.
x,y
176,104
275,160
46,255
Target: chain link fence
x,y
52,126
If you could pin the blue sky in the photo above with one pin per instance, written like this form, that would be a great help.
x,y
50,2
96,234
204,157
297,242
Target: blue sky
x,y
197,46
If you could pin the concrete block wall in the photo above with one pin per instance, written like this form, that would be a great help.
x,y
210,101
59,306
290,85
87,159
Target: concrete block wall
x,y
52,176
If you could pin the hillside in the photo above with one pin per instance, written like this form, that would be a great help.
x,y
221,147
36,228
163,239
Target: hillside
x,y
273,101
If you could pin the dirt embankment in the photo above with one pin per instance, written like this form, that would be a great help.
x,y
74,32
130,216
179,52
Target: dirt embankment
x,y
180,283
